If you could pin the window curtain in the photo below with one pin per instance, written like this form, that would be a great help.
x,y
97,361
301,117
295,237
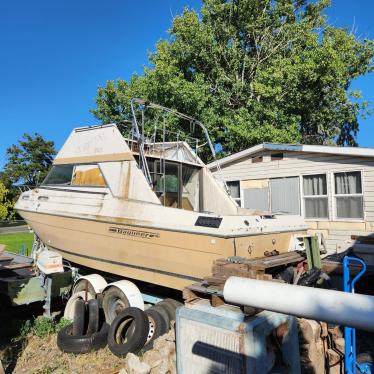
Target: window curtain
x,y
348,183
349,207
316,207
315,185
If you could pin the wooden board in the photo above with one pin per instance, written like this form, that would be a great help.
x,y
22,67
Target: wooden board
x,y
255,269
15,266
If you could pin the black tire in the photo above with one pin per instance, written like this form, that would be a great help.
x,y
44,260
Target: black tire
x,y
365,358
174,302
157,328
169,308
114,302
128,332
93,316
79,318
163,313
82,344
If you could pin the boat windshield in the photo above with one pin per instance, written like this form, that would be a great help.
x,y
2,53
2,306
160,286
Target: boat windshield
x,y
75,175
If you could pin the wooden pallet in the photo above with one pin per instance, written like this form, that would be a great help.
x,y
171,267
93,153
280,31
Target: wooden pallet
x,y
256,268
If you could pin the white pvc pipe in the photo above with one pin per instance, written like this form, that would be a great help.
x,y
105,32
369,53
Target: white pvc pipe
x,y
336,307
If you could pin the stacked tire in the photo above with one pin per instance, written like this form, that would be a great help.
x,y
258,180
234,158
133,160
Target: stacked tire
x,y
129,329
134,330
86,333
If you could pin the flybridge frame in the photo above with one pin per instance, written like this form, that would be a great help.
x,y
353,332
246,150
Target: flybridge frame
x,y
141,138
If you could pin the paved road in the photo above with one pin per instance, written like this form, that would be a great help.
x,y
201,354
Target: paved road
x,y
13,229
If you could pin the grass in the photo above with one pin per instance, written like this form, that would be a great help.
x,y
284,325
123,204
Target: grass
x,y
14,241
42,327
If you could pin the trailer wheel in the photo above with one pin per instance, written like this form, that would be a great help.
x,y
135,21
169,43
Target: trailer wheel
x,y
69,343
128,332
79,318
114,302
157,328
93,316
163,314
70,305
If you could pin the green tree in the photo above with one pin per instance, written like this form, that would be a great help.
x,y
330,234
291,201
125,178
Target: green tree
x,y
4,204
254,71
28,161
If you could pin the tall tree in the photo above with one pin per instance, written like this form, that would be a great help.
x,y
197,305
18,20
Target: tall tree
x,y
28,161
254,71
4,203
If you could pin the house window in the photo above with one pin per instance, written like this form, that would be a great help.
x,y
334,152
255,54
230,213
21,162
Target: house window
x,y
234,189
349,200
315,196
285,195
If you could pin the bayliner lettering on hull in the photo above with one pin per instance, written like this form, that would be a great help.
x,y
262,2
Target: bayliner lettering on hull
x,y
135,233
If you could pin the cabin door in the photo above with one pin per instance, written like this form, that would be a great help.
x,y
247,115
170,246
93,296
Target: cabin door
x,y
168,185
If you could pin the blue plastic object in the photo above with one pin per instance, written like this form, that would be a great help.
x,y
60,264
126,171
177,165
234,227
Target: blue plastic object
x,y
366,367
350,363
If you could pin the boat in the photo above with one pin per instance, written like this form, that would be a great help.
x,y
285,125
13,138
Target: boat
x,y
146,207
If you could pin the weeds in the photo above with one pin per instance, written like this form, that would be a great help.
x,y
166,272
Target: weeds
x,y
42,327
15,336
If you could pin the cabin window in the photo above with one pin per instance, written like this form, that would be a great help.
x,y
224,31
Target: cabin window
x,y
59,175
87,175
349,200
190,187
315,196
234,189
167,185
176,185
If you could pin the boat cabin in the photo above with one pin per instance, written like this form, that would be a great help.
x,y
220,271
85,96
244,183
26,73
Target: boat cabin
x,y
99,157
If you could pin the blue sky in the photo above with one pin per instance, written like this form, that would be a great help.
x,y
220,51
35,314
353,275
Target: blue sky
x,y
54,55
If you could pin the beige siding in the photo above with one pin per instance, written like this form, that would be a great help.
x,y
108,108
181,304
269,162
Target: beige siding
x,y
298,164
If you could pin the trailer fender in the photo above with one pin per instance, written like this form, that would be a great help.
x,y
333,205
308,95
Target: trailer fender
x,y
96,283
130,290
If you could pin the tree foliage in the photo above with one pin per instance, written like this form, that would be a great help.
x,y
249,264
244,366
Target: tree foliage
x,y
28,161
254,71
4,204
